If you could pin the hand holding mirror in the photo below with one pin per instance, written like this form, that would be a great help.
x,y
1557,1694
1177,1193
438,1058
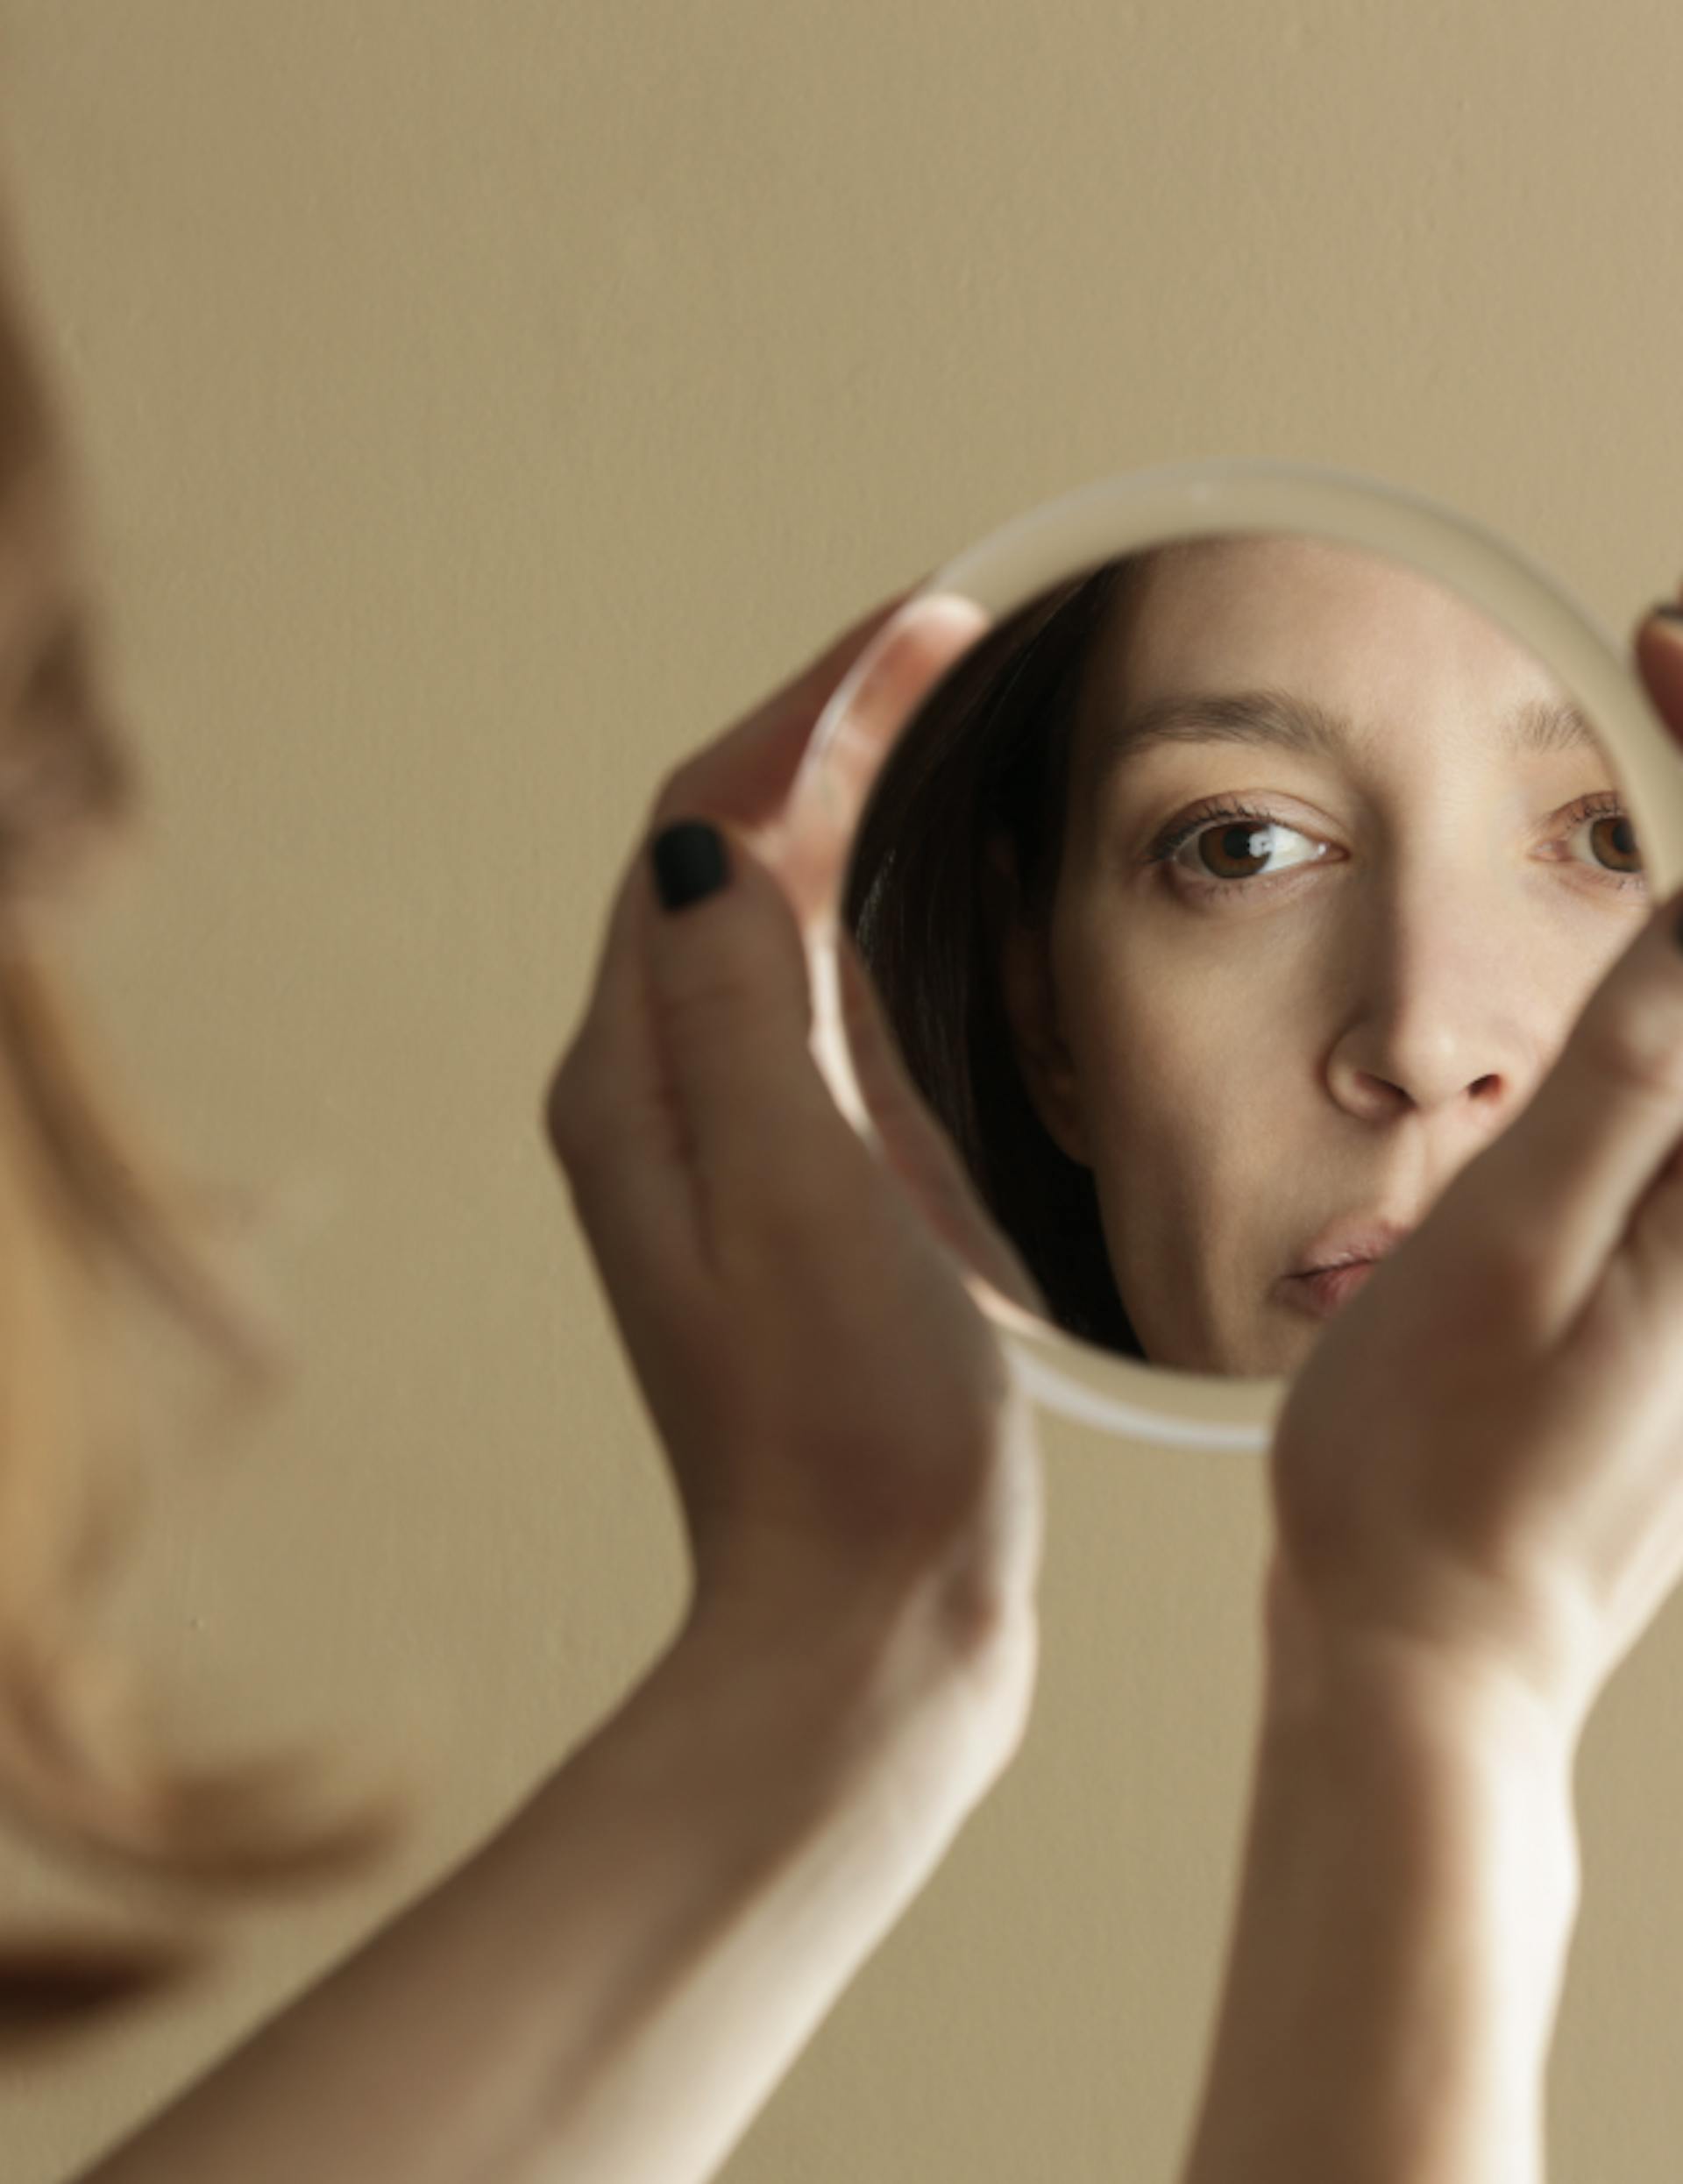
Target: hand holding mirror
x,y
1238,884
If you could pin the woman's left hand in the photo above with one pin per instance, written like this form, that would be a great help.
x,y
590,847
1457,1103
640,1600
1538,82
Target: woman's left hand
x,y
837,1412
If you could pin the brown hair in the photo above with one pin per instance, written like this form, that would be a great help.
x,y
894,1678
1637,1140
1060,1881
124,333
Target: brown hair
x,y
84,1196
987,757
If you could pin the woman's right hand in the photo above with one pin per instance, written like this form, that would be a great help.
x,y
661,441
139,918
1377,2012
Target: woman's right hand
x,y
1481,1462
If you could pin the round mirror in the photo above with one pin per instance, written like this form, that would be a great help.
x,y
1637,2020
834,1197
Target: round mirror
x,y
1237,884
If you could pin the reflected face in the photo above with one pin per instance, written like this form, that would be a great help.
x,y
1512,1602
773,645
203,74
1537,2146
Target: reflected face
x,y
1255,1026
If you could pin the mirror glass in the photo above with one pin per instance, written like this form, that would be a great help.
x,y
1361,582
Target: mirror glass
x,y
1223,901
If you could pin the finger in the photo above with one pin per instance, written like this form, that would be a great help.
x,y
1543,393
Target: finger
x,y
914,1144
1555,1194
764,1144
809,847
744,775
608,1113
609,1117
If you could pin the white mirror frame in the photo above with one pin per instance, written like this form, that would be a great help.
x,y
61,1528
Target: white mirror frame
x,y
1158,1404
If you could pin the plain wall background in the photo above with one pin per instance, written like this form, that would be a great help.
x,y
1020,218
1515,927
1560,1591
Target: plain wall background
x,y
483,406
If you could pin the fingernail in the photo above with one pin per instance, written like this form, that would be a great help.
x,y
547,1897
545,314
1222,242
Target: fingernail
x,y
690,863
1667,610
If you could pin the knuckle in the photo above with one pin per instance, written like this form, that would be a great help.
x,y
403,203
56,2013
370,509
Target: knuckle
x,y
748,989
718,1003
572,1113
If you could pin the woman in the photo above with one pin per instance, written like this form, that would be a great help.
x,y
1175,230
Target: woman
x,y
614,1985
1239,888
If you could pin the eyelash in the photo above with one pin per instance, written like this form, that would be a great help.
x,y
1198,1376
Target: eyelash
x,y
1600,804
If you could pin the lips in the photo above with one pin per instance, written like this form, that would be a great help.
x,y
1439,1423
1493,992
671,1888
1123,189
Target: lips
x,y
1323,1294
1337,1262
1355,1238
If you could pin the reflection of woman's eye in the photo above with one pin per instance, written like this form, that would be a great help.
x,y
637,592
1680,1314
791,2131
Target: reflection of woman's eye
x,y
1231,834
1610,833
1228,844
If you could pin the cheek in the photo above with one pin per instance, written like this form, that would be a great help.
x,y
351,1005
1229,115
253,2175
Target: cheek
x,y
1171,1062
1602,948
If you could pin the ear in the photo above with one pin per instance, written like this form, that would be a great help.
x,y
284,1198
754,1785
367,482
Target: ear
x,y
1023,959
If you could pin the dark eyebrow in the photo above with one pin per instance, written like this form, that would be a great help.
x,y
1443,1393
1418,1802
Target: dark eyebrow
x,y
1275,720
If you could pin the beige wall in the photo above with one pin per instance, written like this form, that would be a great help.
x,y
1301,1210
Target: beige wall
x,y
484,404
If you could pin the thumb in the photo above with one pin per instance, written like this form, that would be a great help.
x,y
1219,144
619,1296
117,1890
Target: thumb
x,y
1560,1188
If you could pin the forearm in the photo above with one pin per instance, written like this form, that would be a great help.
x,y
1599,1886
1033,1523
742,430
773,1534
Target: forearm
x,y
613,1986
1410,1889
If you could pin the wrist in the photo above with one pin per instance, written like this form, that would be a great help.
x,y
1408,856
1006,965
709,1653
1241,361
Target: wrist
x,y
1407,1895
1453,1776
870,1656
853,1686
1431,1695
1462,1766
704,1874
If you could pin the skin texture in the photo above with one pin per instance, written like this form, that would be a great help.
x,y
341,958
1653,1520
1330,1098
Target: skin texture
x,y
1271,1031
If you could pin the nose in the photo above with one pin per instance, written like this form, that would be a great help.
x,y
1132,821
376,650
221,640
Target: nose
x,y
1451,1005
1428,1073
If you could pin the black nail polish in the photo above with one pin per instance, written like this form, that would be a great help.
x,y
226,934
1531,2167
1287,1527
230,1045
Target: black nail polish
x,y
1667,610
690,863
